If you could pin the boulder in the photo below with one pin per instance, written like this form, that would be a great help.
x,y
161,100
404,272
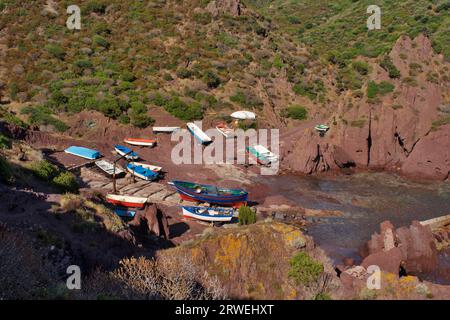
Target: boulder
x,y
230,7
151,221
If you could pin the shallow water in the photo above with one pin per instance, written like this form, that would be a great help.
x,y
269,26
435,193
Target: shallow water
x,y
366,200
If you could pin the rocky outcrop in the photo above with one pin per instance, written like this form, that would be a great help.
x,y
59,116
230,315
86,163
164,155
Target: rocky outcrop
x,y
412,248
151,221
395,132
230,7
12,130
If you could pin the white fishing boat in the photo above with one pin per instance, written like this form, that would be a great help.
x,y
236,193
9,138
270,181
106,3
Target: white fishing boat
x,y
140,142
243,115
210,214
262,154
147,166
108,168
224,129
165,129
198,133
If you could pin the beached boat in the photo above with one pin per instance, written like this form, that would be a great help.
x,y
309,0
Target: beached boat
x,y
196,192
140,142
262,155
126,151
83,152
126,201
322,128
224,129
198,133
108,168
147,166
165,129
125,213
243,115
141,172
208,213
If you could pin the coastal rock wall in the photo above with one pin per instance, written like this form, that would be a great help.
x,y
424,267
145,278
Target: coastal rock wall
x,y
404,131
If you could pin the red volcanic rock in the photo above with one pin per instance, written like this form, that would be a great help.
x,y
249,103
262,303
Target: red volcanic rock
x,y
388,261
431,156
392,133
231,7
151,221
12,130
412,246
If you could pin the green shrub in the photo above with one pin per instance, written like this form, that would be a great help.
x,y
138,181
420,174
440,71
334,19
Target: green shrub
x,y
83,64
295,112
5,143
322,296
44,170
42,115
94,6
66,182
246,99
361,67
100,41
384,87
211,79
138,115
56,51
305,270
246,216
128,76
310,90
2,6
441,122
184,73
6,173
388,65
182,110
358,123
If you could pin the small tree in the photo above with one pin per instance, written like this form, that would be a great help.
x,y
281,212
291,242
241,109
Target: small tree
x,y
246,215
304,269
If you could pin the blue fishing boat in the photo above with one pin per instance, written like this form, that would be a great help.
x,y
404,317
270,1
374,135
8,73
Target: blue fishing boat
x,y
125,213
208,213
142,172
83,152
195,192
130,154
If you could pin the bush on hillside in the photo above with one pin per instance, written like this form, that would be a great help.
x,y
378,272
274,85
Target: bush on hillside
x,y
44,170
66,182
6,173
305,270
56,51
389,66
5,142
295,112
246,215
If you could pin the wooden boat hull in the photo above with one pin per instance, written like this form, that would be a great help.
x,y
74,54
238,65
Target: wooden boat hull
x,y
140,142
206,214
126,201
227,132
125,213
188,194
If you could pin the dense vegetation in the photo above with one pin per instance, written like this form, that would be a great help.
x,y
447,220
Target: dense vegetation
x,y
246,215
304,269
63,180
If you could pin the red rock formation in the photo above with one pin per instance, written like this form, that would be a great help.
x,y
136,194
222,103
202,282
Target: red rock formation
x,y
413,247
231,7
151,221
377,135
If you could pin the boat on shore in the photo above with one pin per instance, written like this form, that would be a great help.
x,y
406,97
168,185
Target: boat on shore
x,y
125,213
127,152
321,128
108,168
140,142
262,155
147,166
198,133
225,130
165,129
196,192
142,172
83,152
126,201
210,214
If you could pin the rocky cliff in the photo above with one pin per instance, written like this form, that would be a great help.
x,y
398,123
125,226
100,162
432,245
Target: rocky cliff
x,y
406,131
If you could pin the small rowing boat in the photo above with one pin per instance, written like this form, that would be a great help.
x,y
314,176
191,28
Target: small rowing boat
x,y
130,154
208,213
126,201
148,166
165,129
125,213
198,133
140,142
224,129
83,152
196,192
244,115
262,155
108,168
322,128
142,172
